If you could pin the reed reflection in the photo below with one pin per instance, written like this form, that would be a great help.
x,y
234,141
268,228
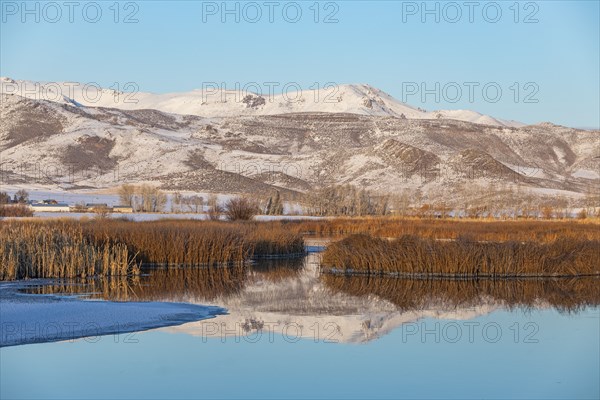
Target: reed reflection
x,y
566,295
176,283
285,285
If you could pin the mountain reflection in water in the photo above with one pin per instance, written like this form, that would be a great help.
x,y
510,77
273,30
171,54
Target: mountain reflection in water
x,y
293,291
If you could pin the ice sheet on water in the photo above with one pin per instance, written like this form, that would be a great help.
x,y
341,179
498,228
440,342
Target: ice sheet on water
x,y
28,318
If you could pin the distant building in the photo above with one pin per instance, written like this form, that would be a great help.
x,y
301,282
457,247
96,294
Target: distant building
x,y
52,207
123,209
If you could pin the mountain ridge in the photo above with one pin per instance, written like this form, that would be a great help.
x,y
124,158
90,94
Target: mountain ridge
x,y
362,99
63,145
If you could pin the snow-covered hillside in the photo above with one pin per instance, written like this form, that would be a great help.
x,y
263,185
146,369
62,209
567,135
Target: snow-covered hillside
x,y
216,101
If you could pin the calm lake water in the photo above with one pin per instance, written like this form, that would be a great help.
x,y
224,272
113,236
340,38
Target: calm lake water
x,y
292,333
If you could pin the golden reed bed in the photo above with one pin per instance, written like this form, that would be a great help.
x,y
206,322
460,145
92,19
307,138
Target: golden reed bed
x,y
68,248
414,257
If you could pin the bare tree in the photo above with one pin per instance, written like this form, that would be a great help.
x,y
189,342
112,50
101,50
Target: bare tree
x,y
151,199
127,195
402,203
346,200
22,196
547,212
214,208
176,202
195,203
274,205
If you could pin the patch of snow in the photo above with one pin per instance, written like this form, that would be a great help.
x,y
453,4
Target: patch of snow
x,y
560,153
586,174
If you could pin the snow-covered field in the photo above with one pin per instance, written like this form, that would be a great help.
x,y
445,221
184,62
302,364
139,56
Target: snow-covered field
x,y
94,196
28,318
159,216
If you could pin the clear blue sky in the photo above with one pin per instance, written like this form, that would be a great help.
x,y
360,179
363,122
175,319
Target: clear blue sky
x,y
175,46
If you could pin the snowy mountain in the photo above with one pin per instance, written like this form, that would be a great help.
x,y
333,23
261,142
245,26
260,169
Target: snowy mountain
x,y
215,101
66,144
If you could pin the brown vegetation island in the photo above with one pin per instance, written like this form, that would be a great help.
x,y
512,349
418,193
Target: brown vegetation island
x,y
414,257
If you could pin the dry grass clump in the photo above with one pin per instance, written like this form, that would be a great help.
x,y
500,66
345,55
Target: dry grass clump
x,y
482,230
240,209
29,250
419,294
15,210
416,257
